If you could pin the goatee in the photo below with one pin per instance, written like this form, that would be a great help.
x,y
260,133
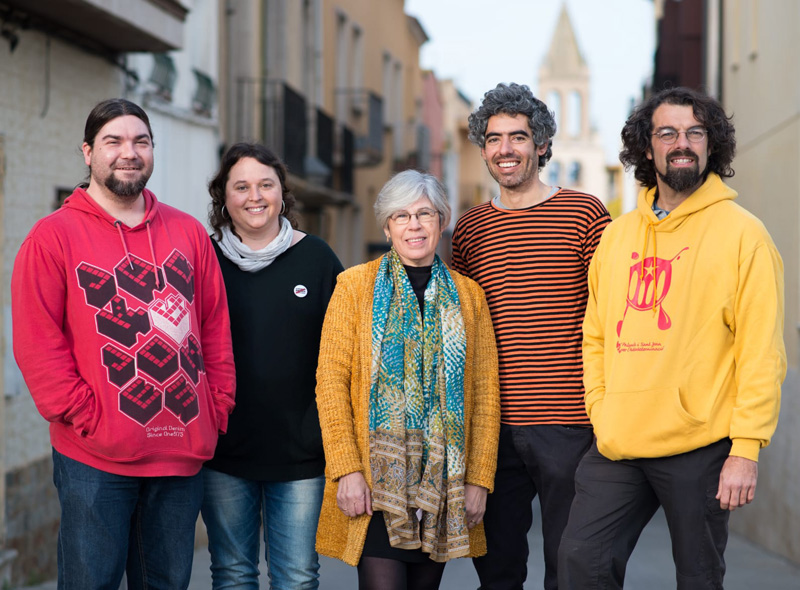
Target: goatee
x,y
682,179
125,190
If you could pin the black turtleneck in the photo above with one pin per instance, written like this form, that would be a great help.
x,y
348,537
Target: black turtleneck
x,y
419,277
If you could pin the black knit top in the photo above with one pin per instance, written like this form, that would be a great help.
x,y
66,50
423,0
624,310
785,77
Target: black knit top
x,y
276,320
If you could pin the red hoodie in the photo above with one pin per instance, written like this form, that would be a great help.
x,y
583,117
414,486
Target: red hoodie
x,y
123,337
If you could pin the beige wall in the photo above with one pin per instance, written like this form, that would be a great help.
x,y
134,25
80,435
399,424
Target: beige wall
x,y
352,48
761,86
385,32
466,176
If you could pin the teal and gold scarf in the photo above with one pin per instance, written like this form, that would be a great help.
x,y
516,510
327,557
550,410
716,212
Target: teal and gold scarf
x,y
416,412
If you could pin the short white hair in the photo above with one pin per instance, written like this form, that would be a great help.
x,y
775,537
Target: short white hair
x,y
406,188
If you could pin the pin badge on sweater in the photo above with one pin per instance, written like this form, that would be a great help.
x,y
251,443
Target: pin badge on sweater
x,y
300,291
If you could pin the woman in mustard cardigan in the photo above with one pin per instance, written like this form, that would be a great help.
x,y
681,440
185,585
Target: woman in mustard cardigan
x,y
408,402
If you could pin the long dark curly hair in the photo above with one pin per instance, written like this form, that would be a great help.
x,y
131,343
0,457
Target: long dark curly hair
x,y
219,217
515,99
637,135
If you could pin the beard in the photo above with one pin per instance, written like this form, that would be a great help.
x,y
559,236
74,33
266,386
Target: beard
x,y
682,179
127,190
522,177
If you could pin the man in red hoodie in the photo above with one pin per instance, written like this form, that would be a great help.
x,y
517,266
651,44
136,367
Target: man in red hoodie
x,y
121,331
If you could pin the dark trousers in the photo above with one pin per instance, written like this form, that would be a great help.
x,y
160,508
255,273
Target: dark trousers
x,y
616,499
532,460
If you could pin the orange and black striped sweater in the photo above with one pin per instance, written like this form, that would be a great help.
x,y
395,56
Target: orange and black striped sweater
x,y
532,264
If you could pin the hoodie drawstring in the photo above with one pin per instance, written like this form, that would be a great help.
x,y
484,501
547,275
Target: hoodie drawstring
x,y
152,252
651,227
118,225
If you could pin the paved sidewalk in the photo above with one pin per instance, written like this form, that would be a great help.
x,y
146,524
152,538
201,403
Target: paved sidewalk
x,y
650,567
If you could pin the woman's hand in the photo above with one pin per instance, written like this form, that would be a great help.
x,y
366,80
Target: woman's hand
x,y
354,497
475,499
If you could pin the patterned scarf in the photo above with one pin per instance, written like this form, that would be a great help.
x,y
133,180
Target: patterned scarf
x,y
416,412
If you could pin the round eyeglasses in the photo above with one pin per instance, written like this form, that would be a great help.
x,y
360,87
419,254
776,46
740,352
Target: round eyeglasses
x,y
423,216
670,136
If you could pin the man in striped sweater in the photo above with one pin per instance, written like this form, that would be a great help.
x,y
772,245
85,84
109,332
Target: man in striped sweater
x,y
530,248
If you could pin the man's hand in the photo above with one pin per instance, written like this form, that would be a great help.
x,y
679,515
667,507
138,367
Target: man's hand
x,y
353,495
475,499
737,482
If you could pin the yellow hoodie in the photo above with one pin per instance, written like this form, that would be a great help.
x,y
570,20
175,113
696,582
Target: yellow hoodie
x,y
683,335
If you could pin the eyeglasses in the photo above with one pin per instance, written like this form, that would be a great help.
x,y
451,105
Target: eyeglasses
x,y
669,136
423,216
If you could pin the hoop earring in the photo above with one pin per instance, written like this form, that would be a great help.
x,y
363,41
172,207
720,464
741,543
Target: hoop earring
x,y
223,211
283,207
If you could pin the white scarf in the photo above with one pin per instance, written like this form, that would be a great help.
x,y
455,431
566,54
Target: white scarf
x,y
254,260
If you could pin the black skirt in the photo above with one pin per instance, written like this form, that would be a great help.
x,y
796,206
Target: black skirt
x,y
377,544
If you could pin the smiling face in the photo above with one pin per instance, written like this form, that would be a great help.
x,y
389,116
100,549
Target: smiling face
x,y
509,152
121,158
682,165
415,242
253,199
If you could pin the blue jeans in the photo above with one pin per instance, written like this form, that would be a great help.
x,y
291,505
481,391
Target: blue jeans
x,y
233,510
115,524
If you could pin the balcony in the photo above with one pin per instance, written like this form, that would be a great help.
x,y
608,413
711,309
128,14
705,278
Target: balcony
x,y
369,144
113,25
272,112
325,143
420,158
347,168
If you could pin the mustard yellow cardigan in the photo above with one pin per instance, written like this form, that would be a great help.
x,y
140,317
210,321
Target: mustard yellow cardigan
x,y
343,386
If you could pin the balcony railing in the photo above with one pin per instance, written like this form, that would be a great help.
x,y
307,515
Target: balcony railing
x,y
325,142
369,146
272,112
347,169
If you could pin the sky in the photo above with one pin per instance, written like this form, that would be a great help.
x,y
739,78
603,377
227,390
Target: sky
x,y
479,43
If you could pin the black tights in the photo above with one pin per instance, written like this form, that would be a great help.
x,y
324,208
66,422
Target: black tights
x,y
380,573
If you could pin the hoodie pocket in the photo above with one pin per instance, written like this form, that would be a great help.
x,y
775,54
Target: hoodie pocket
x,y
649,423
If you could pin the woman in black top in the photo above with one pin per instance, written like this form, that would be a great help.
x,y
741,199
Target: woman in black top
x,y
268,468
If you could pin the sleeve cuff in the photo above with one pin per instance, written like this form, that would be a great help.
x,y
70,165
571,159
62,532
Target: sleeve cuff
x,y
746,447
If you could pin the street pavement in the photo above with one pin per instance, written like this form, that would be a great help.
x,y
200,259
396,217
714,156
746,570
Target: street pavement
x,y
650,567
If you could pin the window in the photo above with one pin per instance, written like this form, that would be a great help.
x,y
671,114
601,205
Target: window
x,y
61,196
357,71
342,63
574,113
554,173
203,99
554,104
163,76
388,95
574,173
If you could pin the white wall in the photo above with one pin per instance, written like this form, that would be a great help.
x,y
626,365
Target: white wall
x,y
186,144
41,118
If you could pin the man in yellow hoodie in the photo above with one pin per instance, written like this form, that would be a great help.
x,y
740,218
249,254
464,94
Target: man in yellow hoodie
x,y
683,353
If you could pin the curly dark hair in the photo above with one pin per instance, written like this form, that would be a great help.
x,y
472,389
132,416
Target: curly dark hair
x,y
217,217
637,133
515,99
